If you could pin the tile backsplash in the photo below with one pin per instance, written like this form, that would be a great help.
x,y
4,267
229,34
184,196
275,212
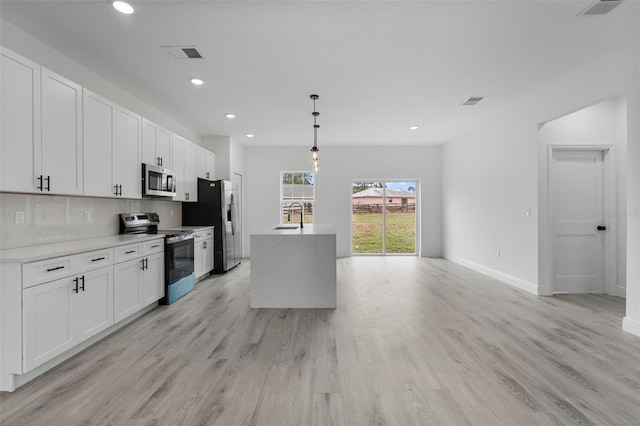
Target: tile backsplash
x,y
52,219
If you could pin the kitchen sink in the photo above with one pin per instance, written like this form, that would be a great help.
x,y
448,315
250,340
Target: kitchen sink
x,y
287,227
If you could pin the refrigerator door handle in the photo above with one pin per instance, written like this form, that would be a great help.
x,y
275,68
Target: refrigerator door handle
x,y
233,216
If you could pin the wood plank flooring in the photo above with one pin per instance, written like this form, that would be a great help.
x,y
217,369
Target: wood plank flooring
x,y
413,342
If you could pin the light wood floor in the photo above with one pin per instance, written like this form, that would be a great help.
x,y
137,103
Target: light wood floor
x,y
413,341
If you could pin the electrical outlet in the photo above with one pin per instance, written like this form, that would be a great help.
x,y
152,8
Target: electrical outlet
x,y
19,218
87,215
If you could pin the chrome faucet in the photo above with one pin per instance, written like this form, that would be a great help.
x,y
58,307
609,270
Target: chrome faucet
x,y
301,213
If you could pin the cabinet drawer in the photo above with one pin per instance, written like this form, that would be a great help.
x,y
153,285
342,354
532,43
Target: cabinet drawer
x,y
198,236
208,233
122,253
46,270
154,246
93,259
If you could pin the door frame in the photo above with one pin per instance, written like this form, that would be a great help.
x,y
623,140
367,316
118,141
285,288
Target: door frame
x,y
417,213
609,200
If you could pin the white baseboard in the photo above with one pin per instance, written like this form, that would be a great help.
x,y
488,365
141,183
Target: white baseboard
x,y
509,279
620,292
631,326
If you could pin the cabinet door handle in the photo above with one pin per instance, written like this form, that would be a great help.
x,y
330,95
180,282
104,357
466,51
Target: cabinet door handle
x,y
120,190
207,175
40,187
116,188
95,260
204,245
159,161
162,161
129,252
55,269
156,246
146,263
142,266
75,280
82,279
48,179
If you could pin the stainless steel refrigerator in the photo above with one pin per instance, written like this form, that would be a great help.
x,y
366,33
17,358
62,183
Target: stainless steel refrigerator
x,y
219,204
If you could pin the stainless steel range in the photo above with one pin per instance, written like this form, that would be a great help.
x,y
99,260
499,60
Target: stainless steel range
x,y
179,275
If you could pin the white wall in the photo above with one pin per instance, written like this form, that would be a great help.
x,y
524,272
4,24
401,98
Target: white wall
x,y
631,322
490,176
603,124
338,167
31,48
489,186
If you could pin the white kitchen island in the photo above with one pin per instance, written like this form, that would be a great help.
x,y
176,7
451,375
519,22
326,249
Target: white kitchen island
x,y
294,268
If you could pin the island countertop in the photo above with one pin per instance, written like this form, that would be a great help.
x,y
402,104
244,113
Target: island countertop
x,y
312,229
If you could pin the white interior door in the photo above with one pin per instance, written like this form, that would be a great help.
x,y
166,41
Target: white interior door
x,y
577,211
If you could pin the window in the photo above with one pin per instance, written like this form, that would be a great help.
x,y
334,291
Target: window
x,y
297,187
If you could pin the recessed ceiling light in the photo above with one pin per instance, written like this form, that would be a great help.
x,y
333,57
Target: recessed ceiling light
x,y
413,128
197,81
123,7
229,115
250,135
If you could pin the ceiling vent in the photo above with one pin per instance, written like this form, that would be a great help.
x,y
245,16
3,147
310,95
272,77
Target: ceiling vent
x,y
601,7
473,100
182,52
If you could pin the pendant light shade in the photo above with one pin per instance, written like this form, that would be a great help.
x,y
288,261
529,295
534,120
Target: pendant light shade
x,y
314,149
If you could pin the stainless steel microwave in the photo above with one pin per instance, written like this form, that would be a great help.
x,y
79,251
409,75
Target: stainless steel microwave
x,y
158,181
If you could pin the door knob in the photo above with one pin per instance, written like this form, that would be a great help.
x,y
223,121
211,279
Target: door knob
x,y
602,228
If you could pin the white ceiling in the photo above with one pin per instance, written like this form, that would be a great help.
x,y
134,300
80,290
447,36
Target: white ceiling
x,y
377,66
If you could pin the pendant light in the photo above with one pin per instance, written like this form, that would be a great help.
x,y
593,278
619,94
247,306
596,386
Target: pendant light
x,y
314,150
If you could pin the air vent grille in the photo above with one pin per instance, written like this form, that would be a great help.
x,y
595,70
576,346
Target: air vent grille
x,y
182,52
473,100
601,7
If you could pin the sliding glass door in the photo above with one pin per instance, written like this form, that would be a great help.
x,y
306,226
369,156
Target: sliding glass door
x,y
384,217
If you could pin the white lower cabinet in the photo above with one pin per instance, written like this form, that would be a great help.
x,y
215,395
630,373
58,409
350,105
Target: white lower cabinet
x,y
95,303
153,279
203,252
69,299
127,289
139,281
60,314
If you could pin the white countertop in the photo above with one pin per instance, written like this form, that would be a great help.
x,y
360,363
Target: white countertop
x,y
194,228
315,229
47,251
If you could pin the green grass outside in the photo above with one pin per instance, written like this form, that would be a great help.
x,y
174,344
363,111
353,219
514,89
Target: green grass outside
x,y
367,233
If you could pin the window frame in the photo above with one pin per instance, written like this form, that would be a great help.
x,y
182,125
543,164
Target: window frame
x,y
304,200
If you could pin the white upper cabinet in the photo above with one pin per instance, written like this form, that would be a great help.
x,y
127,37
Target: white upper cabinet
x,y
58,138
190,171
99,130
177,154
185,167
19,123
61,134
41,140
156,145
206,164
128,164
